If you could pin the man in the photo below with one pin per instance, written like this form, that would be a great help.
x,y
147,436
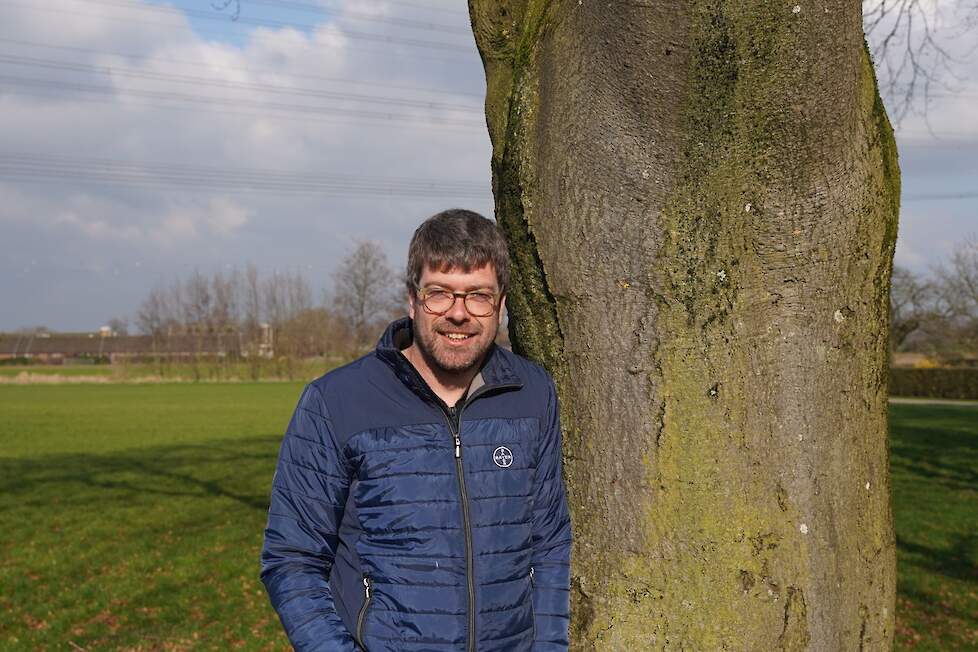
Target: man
x,y
418,503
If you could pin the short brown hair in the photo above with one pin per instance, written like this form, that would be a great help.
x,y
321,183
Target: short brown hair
x,y
457,239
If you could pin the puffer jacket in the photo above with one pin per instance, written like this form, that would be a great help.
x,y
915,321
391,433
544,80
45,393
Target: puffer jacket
x,y
398,524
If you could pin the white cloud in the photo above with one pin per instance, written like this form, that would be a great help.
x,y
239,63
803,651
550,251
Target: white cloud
x,y
208,108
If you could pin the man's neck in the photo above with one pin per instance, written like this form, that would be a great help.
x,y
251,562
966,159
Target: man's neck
x,y
448,386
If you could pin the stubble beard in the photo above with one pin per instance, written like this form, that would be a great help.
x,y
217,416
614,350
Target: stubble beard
x,y
448,359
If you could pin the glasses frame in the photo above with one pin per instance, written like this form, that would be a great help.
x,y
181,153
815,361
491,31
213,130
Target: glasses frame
x,y
423,294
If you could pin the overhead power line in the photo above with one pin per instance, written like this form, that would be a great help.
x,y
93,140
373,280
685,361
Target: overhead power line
x,y
234,85
46,169
224,20
203,64
269,22
939,196
169,96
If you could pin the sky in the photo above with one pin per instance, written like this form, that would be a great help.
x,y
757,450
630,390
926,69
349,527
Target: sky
x,y
142,140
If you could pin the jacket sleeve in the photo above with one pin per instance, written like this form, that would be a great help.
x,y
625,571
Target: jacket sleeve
x,y
551,540
309,492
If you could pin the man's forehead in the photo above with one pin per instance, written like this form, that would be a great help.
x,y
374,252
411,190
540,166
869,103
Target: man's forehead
x,y
483,276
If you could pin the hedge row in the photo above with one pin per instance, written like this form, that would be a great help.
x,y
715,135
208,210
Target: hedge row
x,y
935,383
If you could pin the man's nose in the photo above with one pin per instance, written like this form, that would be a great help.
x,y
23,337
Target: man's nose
x,y
457,312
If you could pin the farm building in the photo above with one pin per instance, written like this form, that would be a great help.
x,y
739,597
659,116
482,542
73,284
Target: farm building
x,y
59,348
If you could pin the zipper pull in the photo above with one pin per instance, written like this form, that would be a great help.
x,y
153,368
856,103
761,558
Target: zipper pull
x,y
531,574
458,447
366,587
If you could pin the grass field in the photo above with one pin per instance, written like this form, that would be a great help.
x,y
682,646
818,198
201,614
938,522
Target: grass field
x,y
132,517
205,370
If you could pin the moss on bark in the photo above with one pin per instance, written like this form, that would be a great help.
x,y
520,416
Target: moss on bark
x,y
710,294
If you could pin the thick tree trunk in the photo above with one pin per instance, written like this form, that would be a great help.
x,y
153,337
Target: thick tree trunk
x,y
701,200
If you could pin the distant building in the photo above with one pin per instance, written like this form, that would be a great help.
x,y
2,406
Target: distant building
x,y
58,348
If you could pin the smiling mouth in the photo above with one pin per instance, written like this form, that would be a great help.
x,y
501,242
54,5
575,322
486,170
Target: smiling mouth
x,y
458,337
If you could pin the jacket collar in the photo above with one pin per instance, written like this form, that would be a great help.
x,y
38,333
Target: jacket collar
x,y
496,369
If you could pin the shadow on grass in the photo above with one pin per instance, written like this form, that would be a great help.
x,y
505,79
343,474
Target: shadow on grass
x,y
953,561
935,444
234,469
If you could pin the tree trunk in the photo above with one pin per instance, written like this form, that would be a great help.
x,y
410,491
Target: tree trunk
x,y
701,201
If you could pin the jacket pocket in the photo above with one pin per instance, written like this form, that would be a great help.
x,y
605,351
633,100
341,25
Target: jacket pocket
x,y
362,616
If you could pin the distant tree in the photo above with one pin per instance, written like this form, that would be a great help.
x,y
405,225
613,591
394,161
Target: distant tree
x,y
285,297
956,285
119,326
153,318
910,299
909,40
365,292
252,315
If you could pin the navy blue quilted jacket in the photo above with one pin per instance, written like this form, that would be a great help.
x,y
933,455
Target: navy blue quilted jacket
x,y
399,524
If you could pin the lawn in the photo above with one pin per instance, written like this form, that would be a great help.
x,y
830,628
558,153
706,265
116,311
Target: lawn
x,y
934,465
132,517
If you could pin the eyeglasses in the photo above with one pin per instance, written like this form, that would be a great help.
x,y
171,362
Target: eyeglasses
x,y
437,301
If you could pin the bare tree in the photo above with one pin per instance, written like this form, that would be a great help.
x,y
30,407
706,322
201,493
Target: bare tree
x,y
155,317
909,305
365,292
909,42
252,316
286,296
956,285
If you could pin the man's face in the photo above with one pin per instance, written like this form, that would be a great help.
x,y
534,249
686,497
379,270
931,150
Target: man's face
x,y
456,341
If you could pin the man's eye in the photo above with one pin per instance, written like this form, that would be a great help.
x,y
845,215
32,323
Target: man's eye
x,y
479,297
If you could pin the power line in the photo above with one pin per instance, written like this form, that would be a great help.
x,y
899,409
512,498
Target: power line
x,y
220,171
941,196
169,96
222,83
201,63
47,94
226,21
268,22
48,169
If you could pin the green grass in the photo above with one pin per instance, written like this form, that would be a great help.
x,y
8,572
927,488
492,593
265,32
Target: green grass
x,y
133,514
934,465
132,517
206,370
57,369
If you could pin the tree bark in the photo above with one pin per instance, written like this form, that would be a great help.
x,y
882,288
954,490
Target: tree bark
x,y
701,201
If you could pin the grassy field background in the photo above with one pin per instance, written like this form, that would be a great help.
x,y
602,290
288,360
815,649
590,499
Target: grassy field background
x,y
132,517
205,370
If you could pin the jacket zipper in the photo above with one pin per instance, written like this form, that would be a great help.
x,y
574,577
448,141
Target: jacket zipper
x,y
533,613
454,418
361,617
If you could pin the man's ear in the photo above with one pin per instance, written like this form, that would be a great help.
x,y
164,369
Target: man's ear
x,y
411,299
502,309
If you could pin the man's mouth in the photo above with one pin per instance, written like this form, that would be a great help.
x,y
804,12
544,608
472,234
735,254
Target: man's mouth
x,y
458,337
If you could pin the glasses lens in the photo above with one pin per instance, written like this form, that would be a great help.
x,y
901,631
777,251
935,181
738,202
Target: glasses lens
x,y
438,301
479,304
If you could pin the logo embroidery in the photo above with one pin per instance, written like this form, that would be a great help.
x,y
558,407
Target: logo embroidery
x,y
503,457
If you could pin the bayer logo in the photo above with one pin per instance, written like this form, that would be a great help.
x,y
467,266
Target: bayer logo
x,y
503,457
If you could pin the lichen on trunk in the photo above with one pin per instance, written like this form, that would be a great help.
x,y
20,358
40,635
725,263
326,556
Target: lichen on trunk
x,y
701,201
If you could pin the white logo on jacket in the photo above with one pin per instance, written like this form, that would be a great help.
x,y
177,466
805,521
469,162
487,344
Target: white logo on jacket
x,y
503,457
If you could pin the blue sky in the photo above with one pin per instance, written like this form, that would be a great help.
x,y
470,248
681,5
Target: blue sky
x,y
293,103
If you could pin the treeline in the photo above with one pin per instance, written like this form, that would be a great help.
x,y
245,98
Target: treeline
x,y
270,321
936,313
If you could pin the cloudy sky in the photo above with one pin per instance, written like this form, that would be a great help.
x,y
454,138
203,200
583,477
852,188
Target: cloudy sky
x,y
141,140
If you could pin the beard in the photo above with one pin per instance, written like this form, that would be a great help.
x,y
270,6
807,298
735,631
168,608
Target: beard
x,y
447,356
